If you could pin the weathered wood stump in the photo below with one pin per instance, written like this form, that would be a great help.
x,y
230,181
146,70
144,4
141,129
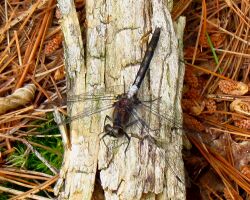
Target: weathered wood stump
x,y
112,56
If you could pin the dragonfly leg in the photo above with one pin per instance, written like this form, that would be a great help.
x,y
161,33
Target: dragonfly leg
x,y
109,118
102,138
127,136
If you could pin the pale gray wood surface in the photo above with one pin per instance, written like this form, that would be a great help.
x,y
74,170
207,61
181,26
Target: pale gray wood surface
x,y
113,55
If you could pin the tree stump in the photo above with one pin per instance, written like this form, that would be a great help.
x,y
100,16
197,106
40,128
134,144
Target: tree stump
x,y
114,50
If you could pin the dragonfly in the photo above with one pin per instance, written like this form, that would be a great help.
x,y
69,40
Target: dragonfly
x,y
126,105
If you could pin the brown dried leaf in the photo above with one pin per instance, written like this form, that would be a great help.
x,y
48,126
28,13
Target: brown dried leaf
x,y
211,28
241,153
209,180
20,97
190,78
197,110
193,107
216,38
58,14
192,93
59,74
208,65
189,51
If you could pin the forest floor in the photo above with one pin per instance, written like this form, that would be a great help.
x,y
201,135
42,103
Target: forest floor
x,y
215,103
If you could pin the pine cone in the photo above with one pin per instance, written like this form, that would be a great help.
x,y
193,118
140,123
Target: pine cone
x,y
53,44
233,87
210,105
192,123
243,123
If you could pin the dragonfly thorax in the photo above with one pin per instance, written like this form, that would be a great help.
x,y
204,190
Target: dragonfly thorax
x,y
122,110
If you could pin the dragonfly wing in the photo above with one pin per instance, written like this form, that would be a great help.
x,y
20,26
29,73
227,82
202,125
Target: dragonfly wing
x,y
102,93
86,113
154,109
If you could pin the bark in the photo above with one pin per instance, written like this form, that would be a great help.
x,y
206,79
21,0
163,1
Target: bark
x,y
77,174
148,169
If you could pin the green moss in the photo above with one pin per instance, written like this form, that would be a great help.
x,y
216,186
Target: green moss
x,y
51,148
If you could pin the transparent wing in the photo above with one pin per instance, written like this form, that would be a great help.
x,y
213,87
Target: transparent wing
x,y
86,113
103,93
162,116
149,120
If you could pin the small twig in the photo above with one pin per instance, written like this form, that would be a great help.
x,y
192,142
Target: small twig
x,y
18,49
207,71
234,52
6,19
227,97
227,131
59,119
23,171
37,189
16,182
21,174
